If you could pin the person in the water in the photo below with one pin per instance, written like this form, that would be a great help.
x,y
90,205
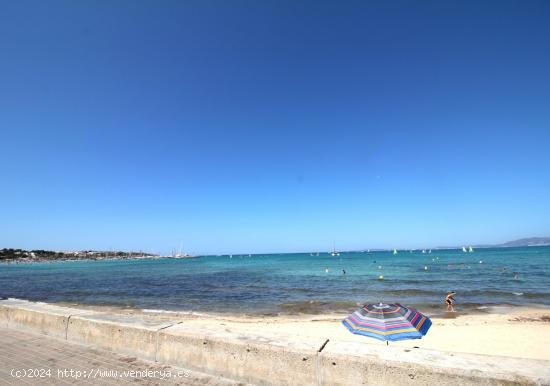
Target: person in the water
x,y
449,301
343,272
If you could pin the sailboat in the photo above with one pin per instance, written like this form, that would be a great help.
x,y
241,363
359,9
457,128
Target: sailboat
x,y
470,249
395,251
423,251
464,249
334,253
181,255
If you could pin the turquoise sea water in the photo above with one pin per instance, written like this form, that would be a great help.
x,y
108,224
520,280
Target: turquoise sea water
x,y
291,283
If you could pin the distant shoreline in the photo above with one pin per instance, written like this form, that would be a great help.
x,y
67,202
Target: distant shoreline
x,y
68,260
25,257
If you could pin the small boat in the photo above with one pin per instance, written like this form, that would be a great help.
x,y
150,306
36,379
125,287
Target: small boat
x,y
470,249
334,252
464,249
423,251
183,256
395,251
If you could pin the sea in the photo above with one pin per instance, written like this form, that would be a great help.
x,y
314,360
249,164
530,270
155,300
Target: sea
x,y
292,283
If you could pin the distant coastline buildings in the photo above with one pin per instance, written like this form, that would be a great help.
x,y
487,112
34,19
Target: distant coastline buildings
x,y
12,254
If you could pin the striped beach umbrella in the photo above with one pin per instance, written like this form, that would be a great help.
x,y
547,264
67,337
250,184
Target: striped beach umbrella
x,y
388,322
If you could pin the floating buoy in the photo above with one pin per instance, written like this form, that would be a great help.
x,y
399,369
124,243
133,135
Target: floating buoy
x,y
379,267
425,268
480,261
381,277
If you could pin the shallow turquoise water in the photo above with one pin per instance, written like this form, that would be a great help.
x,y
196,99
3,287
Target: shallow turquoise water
x,y
290,283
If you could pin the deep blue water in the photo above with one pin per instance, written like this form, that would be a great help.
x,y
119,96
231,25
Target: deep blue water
x,y
289,283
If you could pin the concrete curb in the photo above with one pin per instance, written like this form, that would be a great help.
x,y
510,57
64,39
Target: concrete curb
x,y
260,360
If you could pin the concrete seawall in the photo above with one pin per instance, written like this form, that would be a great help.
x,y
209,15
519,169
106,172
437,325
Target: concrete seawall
x,y
261,360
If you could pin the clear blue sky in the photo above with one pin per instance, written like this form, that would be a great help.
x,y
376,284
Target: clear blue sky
x,y
257,126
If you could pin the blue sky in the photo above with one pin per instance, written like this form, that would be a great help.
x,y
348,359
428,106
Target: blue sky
x,y
245,126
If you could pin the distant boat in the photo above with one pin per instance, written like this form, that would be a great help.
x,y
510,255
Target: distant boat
x,y
395,251
430,251
464,249
470,249
181,255
423,251
334,252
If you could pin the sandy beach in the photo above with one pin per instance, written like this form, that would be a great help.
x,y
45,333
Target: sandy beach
x,y
503,346
520,332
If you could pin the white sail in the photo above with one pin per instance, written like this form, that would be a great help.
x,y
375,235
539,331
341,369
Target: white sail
x,y
464,249
470,249
334,252
395,251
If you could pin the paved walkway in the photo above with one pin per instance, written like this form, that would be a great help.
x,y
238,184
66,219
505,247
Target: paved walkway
x,y
28,359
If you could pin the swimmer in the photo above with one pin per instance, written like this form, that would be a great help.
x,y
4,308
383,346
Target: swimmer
x,y
326,270
449,300
343,272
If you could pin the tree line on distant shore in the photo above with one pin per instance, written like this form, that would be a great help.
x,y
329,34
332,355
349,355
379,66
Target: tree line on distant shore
x,y
8,254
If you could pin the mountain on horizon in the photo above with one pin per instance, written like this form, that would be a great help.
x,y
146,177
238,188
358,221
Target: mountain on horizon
x,y
527,242
524,242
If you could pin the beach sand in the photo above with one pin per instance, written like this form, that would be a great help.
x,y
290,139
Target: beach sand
x,y
504,331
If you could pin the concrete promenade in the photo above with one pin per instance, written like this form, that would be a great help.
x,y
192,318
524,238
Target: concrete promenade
x,y
257,358
32,359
